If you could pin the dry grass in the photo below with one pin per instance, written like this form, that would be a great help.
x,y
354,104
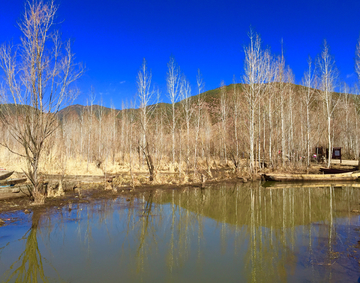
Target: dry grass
x,y
166,172
11,162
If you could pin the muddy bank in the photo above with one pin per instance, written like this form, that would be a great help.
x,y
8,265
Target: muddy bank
x,y
84,188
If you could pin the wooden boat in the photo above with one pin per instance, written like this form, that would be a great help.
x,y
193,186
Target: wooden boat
x,y
5,174
12,182
19,191
336,170
287,185
351,176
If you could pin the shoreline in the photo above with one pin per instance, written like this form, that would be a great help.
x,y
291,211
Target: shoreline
x,y
84,189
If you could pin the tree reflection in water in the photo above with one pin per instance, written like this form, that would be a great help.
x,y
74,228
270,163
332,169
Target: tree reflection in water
x,y
242,231
29,267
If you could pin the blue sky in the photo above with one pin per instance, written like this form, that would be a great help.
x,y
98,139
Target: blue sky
x,y
112,37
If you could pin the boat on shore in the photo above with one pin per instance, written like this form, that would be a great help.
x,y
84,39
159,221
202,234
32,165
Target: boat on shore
x,y
350,176
12,182
321,184
7,192
5,174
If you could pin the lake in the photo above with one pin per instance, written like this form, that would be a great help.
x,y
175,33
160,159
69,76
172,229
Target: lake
x,y
222,233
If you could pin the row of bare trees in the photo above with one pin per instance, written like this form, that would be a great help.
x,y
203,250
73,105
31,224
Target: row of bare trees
x,y
303,111
266,120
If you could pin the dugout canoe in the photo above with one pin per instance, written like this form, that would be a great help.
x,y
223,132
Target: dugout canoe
x,y
12,182
5,174
7,192
351,176
321,184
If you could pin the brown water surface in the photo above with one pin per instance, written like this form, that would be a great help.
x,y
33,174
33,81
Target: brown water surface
x,y
222,233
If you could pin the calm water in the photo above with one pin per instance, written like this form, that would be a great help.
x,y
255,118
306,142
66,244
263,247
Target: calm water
x,y
224,233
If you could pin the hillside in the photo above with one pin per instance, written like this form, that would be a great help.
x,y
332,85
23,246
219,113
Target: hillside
x,y
210,97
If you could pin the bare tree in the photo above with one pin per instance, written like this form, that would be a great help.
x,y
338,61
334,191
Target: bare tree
x,y
281,81
236,111
271,94
131,118
90,122
357,59
199,105
82,126
38,79
347,129
328,75
290,97
308,100
123,135
100,135
145,95
185,93
114,117
267,78
357,69
254,78
223,118
173,86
